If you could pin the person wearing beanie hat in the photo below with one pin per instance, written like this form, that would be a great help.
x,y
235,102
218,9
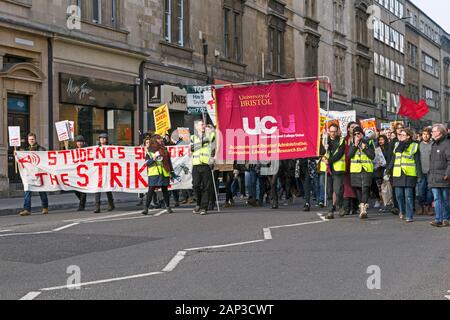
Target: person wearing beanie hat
x,y
81,143
103,141
361,153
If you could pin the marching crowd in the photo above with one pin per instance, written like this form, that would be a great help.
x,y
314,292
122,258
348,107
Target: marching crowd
x,y
404,172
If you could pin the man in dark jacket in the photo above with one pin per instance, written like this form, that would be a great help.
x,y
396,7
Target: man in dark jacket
x,y
439,175
33,146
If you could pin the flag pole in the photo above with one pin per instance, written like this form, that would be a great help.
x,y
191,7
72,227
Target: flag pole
x,y
15,162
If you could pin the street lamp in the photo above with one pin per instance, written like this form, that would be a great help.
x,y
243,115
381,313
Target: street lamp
x,y
399,19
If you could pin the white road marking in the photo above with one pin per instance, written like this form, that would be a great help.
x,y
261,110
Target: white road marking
x,y
30,295
322,217
267,234
102,281
296,225
104,217
119,219
24,234
159,213
225,245
5,230
175,261
65,227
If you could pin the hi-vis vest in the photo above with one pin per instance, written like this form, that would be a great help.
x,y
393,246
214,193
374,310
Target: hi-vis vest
x,y
405,162
361,161
202,155
338,166
156,168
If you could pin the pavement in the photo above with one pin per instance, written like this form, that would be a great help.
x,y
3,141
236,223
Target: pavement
x,y
59,201
239,254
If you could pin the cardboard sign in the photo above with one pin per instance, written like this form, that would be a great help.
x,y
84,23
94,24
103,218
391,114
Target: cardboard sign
x,y
162,119
14,136
72,130
63,130
369,124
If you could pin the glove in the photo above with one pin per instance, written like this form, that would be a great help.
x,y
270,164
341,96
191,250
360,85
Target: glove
x,y
211,163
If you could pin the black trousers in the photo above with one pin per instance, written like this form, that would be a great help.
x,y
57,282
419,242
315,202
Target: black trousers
x,y
203,185
305,179
286,183
108,195
363,194
82,197
228,180
151,194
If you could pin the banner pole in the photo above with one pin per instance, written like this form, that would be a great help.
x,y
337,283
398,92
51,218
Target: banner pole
x,y
15,162
66,144
326,142
215,190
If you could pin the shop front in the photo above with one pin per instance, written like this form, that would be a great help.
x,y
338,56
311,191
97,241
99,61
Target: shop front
x,y
97,106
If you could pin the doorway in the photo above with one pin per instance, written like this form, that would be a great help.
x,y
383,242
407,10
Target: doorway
x,y
18,116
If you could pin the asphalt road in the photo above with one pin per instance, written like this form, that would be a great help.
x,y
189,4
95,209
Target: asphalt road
x,y
241,253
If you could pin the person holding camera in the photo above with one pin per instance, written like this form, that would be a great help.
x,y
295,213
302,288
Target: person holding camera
x,y
159,171
361,153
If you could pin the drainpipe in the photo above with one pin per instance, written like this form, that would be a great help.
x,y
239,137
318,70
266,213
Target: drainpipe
x,y
50,93
141,98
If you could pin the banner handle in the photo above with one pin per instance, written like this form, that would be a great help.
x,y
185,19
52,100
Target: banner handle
x,y
66,144
15,161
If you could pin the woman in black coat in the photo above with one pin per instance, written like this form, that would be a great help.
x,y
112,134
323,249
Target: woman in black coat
x,y
405,183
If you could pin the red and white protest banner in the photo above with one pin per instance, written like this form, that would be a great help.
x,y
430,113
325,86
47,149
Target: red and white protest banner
x,y
268,122
98,169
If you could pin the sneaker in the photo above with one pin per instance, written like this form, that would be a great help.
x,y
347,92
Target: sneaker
x,y
321,205
307,207
24,213
377,204
45,211
409,220
169,210
203,212
402,216
196,210
446,223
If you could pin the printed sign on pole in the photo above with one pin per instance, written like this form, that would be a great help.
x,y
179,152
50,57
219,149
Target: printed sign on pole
x,y
211,102
63,130
162,119
14,136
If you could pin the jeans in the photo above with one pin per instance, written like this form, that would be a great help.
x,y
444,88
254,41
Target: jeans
x,y
405,199
441,205
250,183
425,194
27,200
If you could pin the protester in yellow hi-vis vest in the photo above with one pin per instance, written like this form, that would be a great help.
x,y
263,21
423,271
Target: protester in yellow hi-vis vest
x,y
159,170
361,153
203,152
406,170
332,166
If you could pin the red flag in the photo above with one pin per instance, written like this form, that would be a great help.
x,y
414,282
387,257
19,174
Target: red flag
x,y
411,109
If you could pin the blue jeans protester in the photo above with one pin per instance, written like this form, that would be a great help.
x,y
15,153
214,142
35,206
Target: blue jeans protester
x,y
425,194
405,200
27,200
441,204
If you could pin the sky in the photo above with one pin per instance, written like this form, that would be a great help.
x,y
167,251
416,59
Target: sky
x,y
438,10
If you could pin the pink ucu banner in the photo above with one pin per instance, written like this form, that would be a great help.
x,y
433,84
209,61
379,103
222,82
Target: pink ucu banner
x,y
268,122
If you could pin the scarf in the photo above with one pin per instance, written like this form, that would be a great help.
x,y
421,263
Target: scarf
x,y
402,146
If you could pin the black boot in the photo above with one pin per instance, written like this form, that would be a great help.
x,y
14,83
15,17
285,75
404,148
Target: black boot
x,y
145,212
97,208
111,206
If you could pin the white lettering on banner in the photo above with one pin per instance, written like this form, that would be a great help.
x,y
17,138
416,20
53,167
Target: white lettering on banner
x,y
98,169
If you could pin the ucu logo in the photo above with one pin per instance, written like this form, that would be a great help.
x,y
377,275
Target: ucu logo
x,y
269,125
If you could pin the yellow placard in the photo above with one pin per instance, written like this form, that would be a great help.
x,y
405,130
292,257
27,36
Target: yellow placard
x,y
162,119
